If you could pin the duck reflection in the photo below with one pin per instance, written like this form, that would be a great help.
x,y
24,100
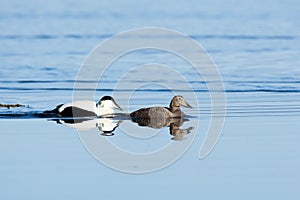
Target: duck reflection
x,y
106,125
174,125
177,133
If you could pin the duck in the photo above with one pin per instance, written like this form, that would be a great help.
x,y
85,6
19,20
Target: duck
x,y
103,108
173,111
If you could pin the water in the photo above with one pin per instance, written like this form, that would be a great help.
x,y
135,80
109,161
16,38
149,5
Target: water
x,y
255,46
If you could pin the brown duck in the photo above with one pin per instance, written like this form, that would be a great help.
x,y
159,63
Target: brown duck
x,y
163,112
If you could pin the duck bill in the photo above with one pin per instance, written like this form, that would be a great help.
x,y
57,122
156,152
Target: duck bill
x,y
116,105
185,104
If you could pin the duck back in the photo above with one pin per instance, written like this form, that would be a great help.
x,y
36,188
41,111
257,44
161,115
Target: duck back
x,y
153,112
69,112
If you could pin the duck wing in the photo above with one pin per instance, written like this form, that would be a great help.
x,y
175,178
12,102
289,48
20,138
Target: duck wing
x,y
74,109
84,105
156,123
153,112
76,112
141,113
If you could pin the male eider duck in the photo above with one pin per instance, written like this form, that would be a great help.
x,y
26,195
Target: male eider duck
x,y
163,112
105,107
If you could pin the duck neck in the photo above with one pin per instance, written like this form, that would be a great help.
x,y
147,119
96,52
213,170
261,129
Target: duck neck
x,y
102,111
174,109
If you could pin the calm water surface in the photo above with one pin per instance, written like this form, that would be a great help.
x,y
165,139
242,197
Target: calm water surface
x,y
254,44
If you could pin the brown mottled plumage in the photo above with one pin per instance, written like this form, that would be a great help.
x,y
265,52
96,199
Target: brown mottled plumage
x,y
163,112
158,123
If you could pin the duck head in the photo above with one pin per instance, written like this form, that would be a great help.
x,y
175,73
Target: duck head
x,y
178,101
106,105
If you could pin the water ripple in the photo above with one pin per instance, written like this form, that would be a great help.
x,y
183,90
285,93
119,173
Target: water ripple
x,y
103,36
150,90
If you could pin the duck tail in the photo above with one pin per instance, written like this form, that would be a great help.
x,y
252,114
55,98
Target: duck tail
x,y
55,110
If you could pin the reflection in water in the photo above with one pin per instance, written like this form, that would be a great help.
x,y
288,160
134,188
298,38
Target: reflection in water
x,y
106,125
178,134
173,123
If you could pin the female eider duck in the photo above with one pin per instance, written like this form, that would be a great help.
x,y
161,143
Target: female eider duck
x,y
105,107
163,112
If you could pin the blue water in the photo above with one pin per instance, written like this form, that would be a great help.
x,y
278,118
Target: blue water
x,y
256,46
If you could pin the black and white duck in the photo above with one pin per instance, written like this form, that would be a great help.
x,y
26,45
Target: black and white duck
x,y
104,107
